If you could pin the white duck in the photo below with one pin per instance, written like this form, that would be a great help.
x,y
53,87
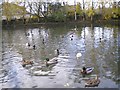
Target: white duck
x,y
78,55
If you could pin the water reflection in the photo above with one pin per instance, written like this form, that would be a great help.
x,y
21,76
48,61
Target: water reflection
x,y
98,46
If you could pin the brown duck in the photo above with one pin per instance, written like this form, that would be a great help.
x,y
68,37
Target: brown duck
x,y
92,82
27,62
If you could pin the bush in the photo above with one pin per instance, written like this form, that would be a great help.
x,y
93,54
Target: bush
x,y
56,17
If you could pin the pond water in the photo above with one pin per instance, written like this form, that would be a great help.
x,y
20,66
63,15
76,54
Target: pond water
x,y
98,46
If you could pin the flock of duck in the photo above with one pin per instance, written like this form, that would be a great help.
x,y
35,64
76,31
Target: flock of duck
x,y
84,71
87,70
91,82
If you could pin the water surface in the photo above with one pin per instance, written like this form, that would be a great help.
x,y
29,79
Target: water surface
x,y
97,44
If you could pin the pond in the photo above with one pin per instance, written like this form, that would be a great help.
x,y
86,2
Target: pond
x,y
98,46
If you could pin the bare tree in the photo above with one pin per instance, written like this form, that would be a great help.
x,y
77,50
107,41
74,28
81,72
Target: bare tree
x,y
75,9
38,8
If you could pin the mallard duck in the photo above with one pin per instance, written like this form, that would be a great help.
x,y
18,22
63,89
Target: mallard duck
x,y
34,47
28,44
26,62
43,41
86,70
92,82
50,62
71,38
28,34
57,52
78,55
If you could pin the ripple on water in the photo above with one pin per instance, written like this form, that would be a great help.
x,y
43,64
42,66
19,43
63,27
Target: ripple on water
x,y
82,42
108,74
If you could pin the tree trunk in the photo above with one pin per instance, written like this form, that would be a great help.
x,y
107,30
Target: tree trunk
x,y
83,11
91,17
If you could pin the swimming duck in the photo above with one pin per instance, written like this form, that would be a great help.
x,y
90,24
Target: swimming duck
x,y
71,39
34,47
28,34
28,44
78,55
26,62
92,82
43,41
57,52
50,62
86,70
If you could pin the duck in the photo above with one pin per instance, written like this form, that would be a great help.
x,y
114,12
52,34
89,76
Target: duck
x,y
28,44
71,39
78,55
34,47
27,62
43,41
86,70
57,52
28,34
93,82
50,62
100,39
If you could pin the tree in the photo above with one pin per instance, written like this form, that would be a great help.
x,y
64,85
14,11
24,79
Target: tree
x,y
10,10
90,13
6,11
83,2
78,9
36,8
56,12
115,10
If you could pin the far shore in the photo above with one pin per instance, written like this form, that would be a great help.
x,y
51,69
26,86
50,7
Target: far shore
x,y
82,23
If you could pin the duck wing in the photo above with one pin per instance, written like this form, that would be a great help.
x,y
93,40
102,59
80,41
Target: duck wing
x,y
89,69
